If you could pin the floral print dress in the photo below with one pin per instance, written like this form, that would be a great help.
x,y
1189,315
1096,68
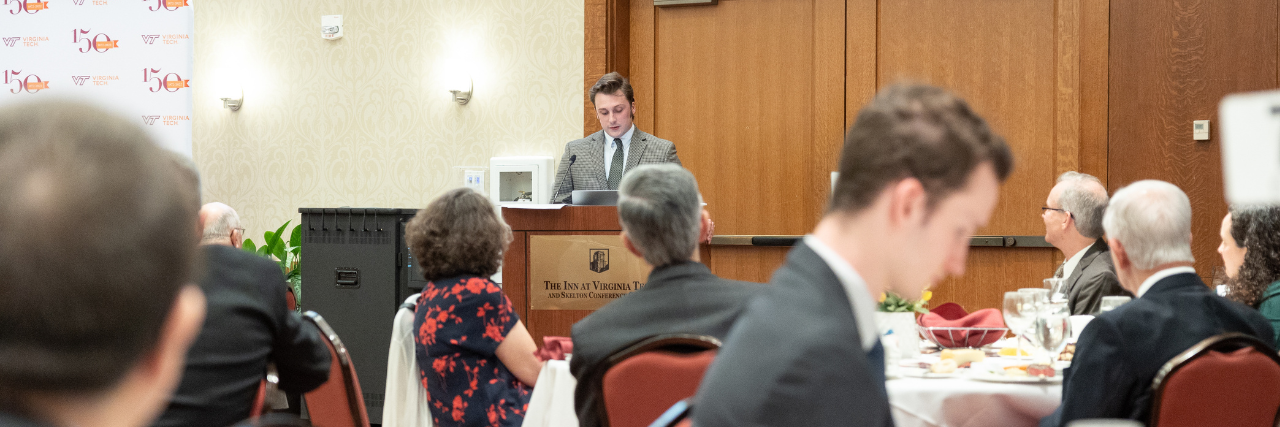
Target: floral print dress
x,y
459,322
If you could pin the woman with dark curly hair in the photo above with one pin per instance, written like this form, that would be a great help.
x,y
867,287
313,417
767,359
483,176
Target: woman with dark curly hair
x,y
475,356
1251,251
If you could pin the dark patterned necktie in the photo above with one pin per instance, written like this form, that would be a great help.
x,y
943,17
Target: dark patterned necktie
x,y
876,357
615,167
1058,274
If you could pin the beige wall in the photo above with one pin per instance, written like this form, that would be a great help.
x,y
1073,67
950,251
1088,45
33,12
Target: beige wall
x,y
366,121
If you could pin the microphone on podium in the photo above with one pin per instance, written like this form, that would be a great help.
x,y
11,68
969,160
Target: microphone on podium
x,y
569,175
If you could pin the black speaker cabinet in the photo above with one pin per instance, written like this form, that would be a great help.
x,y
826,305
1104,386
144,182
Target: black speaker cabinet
x,y
356,271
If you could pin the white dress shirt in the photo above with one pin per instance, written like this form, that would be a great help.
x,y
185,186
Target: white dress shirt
x,y
406,401
1160,275
609,149
1071,263
864,306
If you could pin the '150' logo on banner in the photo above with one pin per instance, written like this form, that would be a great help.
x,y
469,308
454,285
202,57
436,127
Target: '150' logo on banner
x,y
99,43
31,83
170,82
167,4
27,6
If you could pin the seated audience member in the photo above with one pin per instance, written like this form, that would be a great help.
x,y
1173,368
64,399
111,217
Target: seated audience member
x,y
248,325
919,170
662,218
1251,252
1148,228
1073,224
97,252
475,354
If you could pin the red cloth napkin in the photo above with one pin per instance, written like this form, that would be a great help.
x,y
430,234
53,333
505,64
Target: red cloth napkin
x,y
951,315
554,348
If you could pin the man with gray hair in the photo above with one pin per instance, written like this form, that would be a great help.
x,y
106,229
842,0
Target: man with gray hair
x,y
1072,217
248,325
662,221
1117,356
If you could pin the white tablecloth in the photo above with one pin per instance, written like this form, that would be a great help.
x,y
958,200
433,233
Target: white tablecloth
x,y
950,402
958,402
551,404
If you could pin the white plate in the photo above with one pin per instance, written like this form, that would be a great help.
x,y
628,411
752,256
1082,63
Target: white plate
x,y
924,373
998,378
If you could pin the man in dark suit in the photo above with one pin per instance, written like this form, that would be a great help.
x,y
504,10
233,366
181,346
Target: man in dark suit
x,y
248,326
919,170
1148,227
598,162
662,221
1072,217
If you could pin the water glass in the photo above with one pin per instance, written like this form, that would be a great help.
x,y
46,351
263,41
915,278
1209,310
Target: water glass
x,y
1019,310
1057,290
1111,302
1049,332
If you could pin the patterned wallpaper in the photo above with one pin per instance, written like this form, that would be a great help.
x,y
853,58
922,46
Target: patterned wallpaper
x,y
366,120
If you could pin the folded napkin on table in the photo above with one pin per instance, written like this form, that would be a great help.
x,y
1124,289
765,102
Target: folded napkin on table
x,y
951,315
554,348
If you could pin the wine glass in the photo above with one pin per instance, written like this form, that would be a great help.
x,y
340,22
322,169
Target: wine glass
x,y
1051,331
1057,290
1038,296
1111,302
1019,310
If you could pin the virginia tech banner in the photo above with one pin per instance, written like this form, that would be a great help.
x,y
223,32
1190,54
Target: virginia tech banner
x,y
133,57
581,272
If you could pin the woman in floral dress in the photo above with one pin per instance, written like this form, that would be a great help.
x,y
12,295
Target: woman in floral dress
x,y
475,356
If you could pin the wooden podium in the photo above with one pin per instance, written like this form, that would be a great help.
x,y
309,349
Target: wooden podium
x,y
526,223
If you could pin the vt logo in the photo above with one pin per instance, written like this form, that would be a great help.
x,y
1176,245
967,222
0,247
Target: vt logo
x,y
9,41
78,2
150,120
79,80
150,38
599,259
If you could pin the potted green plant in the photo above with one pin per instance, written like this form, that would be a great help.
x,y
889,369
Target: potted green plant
x,y
287,253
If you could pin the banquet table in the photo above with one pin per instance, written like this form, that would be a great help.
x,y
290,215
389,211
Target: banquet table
x,y
962,402
915,402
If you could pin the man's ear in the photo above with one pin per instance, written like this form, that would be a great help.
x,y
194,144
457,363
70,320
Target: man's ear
x,y
704,232
626,241
907,202
1118,255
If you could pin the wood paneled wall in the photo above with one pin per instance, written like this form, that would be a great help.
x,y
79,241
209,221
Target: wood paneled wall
x,y
757,95
1172,61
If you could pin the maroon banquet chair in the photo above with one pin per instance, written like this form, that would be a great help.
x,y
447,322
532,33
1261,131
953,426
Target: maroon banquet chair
x,y
338,402
643,380
1229,380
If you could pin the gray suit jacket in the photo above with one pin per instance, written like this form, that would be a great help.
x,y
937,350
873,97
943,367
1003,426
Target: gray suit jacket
x,y
794,358
588,170
1093,278
678,298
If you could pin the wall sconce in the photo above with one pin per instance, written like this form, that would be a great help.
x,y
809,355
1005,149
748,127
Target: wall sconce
x,y
232,98
461,89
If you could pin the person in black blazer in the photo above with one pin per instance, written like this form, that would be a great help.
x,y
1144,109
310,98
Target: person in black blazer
x,y
662,220
1118,354
919,170
1073,223
248,325
588,163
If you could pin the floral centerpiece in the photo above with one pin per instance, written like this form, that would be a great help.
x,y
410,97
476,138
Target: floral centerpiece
x,y
896,316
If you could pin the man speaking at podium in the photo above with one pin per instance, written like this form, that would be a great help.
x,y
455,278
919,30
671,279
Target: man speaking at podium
x,y
598,161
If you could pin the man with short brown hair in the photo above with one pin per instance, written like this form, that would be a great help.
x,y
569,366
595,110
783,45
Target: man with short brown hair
x,y
97,253
919,173
597,162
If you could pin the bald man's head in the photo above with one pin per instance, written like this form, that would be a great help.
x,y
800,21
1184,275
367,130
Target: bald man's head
x,y
220,225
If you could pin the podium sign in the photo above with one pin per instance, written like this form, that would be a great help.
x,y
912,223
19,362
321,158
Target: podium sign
x,y
582,272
